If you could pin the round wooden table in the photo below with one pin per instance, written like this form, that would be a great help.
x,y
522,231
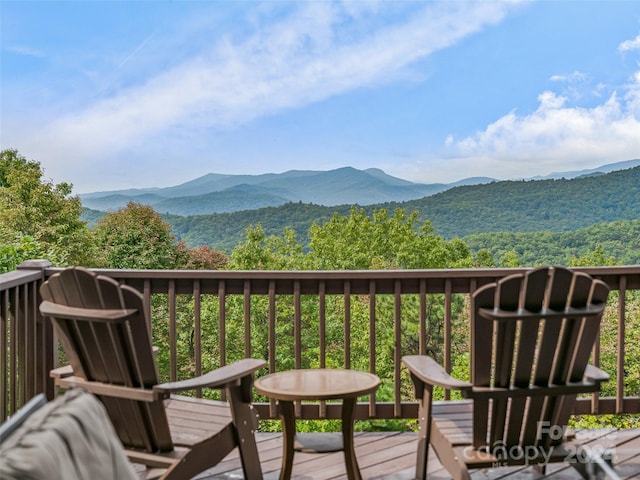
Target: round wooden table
x,y
317,384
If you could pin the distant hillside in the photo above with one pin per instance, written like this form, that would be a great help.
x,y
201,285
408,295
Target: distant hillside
x,y
611,167
225,230
511,206
620,240
234,199
528,206
117,200
215,193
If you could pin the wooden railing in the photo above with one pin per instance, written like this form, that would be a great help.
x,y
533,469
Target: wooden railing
x,y
26,342
257,305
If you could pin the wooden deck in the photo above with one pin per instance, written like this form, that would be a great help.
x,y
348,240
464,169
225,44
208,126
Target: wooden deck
x,y
391,456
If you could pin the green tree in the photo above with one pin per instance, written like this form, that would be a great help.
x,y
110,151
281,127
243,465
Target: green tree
x,y
42,213
484,259
16,248
510,259
360,242
262,252
596,258
353,242
136,236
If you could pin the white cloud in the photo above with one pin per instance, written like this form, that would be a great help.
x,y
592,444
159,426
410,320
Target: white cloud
x,y
570,78
318,51
629,45
26,51
516,146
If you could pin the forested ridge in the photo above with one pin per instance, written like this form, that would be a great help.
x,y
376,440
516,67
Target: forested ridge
x,y
551,218
225,230
618,241
528,206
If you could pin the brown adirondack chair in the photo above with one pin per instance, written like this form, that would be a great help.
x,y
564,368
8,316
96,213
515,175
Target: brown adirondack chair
x,y
103,329
531,338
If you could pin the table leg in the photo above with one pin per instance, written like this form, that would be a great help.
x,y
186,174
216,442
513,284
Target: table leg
x,y
348,411
287,413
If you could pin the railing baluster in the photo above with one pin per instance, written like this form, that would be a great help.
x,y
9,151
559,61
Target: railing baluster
x,y
372,341
46,356
622,307
31,365
447,331
222,327
173,344
13,341
4,354
197,331
397,350
297,325
347,324
272,339
322,333
595,360
222,321
146,293
422,327
21,330
322,307
247,318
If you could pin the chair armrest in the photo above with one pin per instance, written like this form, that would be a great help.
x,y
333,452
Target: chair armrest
x,y
50,309
218,378
594,374
61,372
427,370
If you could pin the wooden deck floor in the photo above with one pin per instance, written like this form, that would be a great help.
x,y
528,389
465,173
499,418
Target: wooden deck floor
x,y
391,456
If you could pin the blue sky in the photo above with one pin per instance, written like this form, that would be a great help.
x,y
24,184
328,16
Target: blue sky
x,y
117,94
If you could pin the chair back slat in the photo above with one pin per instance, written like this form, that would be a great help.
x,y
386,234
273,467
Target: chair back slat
x,y
508,294
546,352
481,336
598,296
558,292
536,289
531,332
481,344
115,352
531,300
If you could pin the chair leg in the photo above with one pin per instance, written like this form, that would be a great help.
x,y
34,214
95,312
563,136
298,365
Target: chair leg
x,y
541,468
424,434
203,455
245,419
593,465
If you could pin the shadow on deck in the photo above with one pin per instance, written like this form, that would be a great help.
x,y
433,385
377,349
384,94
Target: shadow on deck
x,y
391,456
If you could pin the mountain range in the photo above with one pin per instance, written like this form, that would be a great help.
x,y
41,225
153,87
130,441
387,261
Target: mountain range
x,y
554,205
219,193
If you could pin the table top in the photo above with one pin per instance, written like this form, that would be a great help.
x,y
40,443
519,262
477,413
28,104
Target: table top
x,y
316,384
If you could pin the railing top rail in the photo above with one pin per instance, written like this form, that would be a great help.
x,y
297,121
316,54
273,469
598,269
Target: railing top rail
x,y
15,278
460,279
627,270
